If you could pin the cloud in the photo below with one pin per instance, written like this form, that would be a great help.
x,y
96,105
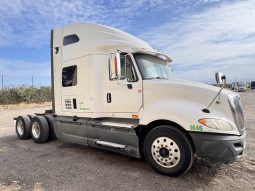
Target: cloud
x,y
28,23
220,38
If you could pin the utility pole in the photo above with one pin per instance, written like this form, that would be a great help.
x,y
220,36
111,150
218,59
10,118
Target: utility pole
x,y
2,81
32,81
2,89
235,84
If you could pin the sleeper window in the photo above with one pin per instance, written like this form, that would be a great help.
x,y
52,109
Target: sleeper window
x,y
70,39
69,76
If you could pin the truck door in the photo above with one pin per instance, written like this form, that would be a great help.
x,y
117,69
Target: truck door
x,y
125,95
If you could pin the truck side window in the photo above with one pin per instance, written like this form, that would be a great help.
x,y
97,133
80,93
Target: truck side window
x,y
69,76
130,70
122,63
70,39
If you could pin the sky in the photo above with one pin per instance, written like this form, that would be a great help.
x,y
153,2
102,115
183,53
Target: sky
x,y
201,36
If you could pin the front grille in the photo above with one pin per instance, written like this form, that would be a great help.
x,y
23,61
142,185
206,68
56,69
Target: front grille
x,y
237,112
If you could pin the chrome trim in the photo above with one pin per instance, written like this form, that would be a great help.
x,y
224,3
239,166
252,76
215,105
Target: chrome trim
x,y
237,112
109,144
117,124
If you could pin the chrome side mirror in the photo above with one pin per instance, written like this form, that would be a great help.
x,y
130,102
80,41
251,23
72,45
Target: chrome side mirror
x,y
220,78
114,66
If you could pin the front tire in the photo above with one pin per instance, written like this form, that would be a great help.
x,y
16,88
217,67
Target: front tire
x,y
39,129
168,150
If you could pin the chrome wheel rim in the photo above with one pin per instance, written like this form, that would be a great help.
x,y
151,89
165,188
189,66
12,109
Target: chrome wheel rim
x,y
36,130
165,152
20,127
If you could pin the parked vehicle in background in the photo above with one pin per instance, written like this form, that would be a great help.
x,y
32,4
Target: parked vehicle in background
x,y
241,87
234,86
113,91
248,85
238,86
253,85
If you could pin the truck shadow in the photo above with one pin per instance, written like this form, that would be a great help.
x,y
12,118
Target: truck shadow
x,y
200,169
77,159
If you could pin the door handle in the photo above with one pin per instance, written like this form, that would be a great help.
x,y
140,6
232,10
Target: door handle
x,y
56,50
129,86
109,98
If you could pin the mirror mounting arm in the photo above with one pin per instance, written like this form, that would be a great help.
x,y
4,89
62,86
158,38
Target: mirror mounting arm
x,y
218,94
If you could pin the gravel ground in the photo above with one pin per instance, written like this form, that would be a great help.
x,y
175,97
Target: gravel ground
x,y
59,165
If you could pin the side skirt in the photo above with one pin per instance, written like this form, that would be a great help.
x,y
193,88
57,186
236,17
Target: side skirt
x,y
116,135
112,134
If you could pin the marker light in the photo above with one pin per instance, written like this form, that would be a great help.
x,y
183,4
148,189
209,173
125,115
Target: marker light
x,y
135,116
216,124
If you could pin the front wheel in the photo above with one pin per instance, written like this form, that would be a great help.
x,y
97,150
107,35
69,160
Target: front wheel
x,y
168,150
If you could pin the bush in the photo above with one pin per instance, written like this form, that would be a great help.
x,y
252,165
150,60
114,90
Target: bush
x,y
25,94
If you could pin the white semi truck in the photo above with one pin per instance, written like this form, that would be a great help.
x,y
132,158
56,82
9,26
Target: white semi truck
x,y
113,91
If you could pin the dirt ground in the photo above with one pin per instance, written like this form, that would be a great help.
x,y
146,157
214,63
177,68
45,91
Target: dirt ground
x,y
59,165
8,112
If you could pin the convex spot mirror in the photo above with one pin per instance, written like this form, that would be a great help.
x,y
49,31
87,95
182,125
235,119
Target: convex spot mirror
x,y
116,72
220,78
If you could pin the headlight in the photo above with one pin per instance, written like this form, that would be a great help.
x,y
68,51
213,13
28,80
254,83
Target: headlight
x,y
216,124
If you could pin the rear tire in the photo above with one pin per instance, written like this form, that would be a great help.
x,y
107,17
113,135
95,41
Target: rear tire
x,y
168,150
23,129
39,129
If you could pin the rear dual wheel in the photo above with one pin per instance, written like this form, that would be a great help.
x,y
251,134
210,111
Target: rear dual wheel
x,y
23,129
39,129
168,150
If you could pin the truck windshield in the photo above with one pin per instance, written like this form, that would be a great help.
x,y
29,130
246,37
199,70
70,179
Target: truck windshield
x,y
152,67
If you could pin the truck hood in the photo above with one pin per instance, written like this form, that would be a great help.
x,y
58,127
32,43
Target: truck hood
x,y
185,90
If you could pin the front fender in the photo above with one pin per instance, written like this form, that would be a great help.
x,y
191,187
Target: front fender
x,y
184,113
